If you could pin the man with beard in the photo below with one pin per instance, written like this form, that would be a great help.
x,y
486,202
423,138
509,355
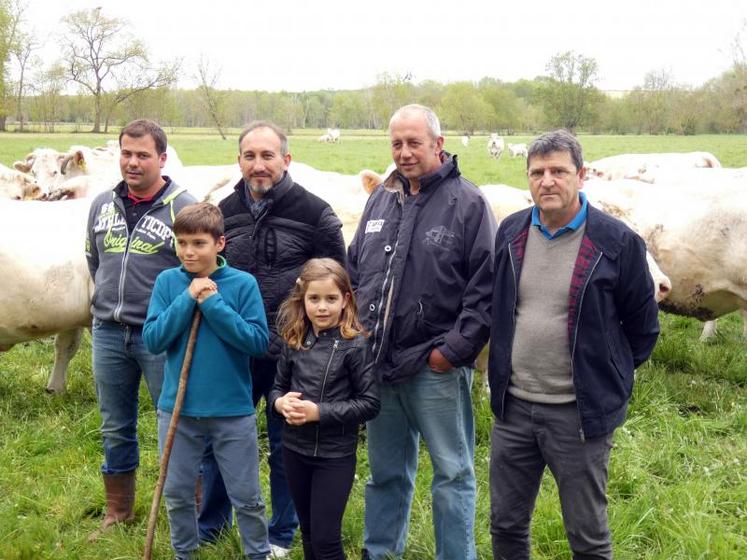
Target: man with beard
x,y
273,226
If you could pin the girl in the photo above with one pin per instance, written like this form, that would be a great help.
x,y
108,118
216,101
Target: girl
x,y
324,388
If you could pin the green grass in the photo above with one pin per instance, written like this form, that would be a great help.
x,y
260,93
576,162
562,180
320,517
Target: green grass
x,y
369,150
678,472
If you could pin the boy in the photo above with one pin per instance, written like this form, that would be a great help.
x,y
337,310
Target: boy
x,y
218,402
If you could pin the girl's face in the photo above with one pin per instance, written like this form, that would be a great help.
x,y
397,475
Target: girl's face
x,y
324,303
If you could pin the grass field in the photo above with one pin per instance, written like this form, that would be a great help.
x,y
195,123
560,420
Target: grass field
x,y
678,472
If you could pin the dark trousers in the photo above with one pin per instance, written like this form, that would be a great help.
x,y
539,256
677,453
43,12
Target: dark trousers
x,y
320,488
215,514
530,437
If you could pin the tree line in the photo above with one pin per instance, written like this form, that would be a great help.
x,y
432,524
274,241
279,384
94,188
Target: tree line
x,y
115,81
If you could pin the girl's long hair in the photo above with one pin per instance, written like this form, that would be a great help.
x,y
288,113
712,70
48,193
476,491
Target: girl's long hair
x,y
292,322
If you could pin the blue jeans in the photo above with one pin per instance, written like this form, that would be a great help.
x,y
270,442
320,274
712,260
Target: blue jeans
x,y
234,441
119,361
215,515
438,407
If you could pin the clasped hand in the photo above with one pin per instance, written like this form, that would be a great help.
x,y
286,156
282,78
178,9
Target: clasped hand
x,y
202,288
295,410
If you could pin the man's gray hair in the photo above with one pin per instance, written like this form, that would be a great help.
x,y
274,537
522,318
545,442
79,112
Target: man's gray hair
x,y
272,126
557,141
434,126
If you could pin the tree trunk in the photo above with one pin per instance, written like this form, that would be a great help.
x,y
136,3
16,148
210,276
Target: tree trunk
x,y
97,114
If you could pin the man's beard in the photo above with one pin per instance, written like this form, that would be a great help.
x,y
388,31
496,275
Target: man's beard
x,y
258,189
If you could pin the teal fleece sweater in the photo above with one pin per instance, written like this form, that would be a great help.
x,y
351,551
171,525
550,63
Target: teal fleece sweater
x,y
233,327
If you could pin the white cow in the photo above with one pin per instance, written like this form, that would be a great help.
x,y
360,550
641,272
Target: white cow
x,y
696,231
633,166
505,200
15,185
496,145
44,165
702,175
46,287
52,169
515,150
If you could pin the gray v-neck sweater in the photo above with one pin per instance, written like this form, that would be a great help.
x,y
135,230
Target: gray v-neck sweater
x,y
540,357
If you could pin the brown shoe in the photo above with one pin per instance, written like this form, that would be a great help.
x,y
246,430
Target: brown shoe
x,y
120,501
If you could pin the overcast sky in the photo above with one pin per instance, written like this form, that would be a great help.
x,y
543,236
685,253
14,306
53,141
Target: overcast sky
x,y
306,45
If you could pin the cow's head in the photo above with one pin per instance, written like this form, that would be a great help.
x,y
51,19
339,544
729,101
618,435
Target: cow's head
x,y
73,163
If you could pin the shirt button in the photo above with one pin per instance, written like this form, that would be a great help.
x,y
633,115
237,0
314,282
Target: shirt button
x,y
372,307
387,248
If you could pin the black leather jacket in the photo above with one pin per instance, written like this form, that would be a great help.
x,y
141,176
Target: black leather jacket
x,y
336,374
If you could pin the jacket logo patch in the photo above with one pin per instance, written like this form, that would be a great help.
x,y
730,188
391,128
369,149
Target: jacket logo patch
x,y
374,226
439,236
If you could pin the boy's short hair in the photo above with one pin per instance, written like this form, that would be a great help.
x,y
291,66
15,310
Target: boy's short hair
x,y
201,217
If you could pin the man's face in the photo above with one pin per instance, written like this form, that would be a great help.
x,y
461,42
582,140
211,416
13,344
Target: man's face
x,y
198,252
141,164
414,151
260,160
554,183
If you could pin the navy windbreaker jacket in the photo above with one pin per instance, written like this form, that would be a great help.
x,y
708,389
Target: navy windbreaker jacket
x,y
421,267
612,316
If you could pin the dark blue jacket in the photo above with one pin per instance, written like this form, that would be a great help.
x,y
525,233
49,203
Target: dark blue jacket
x,y
421,267
612,316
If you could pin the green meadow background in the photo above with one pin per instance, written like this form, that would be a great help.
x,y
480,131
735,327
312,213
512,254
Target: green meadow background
x,y
678,471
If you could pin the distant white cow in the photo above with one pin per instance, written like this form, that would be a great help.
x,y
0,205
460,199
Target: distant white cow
x,y
46,285
332,136
515,150
496,145
633,166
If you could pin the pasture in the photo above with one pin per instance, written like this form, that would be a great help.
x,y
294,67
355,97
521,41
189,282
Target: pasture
x,y
678,473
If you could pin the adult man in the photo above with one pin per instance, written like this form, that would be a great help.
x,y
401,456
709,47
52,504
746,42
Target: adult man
x,y
273,226
128,242
573,314
421,264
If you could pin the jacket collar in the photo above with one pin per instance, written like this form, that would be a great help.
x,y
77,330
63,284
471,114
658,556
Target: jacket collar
x,y
327,334
601,228
167,195
217,273
397,183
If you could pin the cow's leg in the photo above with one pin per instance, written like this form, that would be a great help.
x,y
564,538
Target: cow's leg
x,y
709,329
66,345
744,324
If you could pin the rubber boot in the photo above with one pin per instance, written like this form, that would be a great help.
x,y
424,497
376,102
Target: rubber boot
x,y
120,501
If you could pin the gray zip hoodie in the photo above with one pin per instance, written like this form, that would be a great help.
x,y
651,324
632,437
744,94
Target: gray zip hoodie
x,y
124,264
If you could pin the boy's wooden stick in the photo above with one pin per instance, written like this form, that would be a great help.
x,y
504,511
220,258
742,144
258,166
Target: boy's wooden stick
x,y
183,376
